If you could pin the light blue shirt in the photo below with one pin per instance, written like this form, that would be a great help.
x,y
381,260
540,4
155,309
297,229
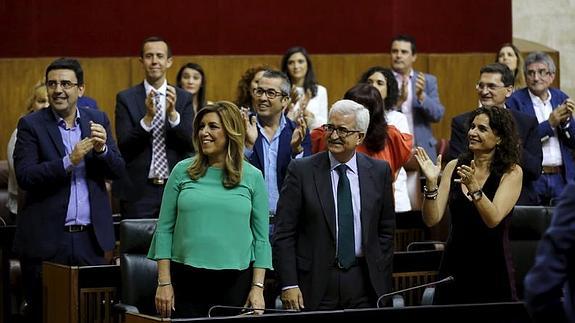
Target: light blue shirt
x,y
79,202
270,149
353,177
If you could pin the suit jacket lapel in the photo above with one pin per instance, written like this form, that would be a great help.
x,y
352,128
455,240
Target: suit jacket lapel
x,y
52,128
366,188
140,100
322,180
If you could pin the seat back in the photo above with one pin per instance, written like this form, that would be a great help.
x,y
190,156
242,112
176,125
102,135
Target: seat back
x,y
139,274
415,268
528,224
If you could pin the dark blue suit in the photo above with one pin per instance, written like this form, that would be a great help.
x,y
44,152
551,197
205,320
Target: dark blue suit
x,y
521,101
40,172
531,154
135,143
553,275
284,151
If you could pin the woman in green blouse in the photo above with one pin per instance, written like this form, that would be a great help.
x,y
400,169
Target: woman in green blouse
x,y
211,240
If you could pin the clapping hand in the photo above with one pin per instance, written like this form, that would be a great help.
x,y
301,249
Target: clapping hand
x,y
430,171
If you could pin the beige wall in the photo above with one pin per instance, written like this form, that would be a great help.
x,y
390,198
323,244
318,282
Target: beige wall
x,y
550,23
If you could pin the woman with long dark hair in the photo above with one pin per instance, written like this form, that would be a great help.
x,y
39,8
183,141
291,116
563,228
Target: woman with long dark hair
x,y
191,77
308,97
481,188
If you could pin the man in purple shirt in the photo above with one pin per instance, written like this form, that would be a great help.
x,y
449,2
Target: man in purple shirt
x,y
62,157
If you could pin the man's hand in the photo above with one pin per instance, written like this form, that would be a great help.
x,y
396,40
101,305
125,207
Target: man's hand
x,y
562,113
292,299
298,135
251,128
150,108
98,136
420,87
80,150
171,103
402,93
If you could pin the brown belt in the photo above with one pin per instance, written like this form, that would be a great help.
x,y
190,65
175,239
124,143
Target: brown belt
x,y
552,170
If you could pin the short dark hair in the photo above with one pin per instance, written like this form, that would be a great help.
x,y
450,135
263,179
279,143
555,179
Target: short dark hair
x,y
369,97
202,90
497,68
154,39
392,88
65,63
285,87
309,82
406,38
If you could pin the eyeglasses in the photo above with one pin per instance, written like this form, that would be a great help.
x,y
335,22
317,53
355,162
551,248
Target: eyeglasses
x,y
341,131
66,85
270,93
491,87
541,73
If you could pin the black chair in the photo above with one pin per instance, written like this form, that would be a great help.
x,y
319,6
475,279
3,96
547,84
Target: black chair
x,y
415,268
139,274
528,224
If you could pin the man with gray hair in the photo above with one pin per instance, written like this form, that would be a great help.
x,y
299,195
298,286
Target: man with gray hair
x,y
553,110
333,244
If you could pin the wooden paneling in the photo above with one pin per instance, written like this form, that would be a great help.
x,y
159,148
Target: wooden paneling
x,y
105,77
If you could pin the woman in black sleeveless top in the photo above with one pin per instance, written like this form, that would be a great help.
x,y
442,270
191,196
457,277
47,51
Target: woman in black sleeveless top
x,y
481,187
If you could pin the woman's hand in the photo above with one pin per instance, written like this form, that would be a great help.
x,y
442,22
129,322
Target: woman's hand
x,y
165,300
430,171
256,300
467,175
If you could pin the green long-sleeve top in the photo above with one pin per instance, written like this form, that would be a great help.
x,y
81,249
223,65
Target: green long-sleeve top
x,y
205,225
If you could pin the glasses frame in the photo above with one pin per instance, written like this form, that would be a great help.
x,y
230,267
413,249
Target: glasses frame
x,y
271,97
66,85
541,73
329,129
490,87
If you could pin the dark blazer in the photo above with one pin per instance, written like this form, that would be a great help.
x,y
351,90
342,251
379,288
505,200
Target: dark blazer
x,y
284,151
521,101
550,284
40,172
135,143
531,154
305,239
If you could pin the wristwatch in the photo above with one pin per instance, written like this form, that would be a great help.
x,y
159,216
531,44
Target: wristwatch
x,y
476,195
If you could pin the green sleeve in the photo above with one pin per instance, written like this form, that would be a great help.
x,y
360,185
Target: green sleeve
x,y
260,222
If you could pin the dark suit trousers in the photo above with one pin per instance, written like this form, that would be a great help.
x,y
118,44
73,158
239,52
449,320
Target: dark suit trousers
x,y
349,288
147,207
76,249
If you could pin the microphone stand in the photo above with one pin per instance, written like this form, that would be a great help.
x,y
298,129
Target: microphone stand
x,y
443,281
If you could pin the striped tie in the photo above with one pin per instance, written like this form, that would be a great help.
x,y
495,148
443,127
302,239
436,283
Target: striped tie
x,y
159,159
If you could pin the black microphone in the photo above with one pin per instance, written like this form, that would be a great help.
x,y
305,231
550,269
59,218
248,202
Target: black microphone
x,y
443,281
250,309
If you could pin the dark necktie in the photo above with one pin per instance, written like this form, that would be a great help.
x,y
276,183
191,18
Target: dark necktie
x,y
345,237
159,160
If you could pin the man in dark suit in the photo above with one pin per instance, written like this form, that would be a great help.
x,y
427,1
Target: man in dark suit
x,y
419,97
272,139
151,146
550,284
63,156
553,110
333,245
494,86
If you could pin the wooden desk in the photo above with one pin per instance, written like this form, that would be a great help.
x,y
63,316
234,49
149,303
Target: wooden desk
x,y
75,294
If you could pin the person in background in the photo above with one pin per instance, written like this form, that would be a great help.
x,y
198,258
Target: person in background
x,y
154,131
382,141
63,156
38,100
481,188
307,96
511,56
211,240
550,284
418,94
494,86
384,81
554,112
333,245
191,77
246,86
